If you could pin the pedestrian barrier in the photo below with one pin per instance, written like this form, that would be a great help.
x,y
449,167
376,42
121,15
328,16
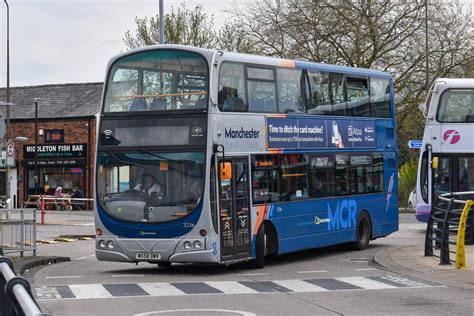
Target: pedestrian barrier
x,y
18,230
16,297
448,224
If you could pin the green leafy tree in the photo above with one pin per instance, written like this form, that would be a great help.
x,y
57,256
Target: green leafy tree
x,y
407,180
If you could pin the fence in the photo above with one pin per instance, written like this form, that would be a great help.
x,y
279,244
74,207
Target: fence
x,y
447,225
18,230
16,297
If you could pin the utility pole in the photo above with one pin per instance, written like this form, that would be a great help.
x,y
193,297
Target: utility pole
x,y
36,147
8,104
162,23
427,49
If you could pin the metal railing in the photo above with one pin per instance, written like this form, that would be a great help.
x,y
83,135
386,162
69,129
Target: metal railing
x,y
18,230
16,297
447,225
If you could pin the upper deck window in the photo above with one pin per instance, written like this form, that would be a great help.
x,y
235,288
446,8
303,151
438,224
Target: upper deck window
x,y
158,80
456,105
232,96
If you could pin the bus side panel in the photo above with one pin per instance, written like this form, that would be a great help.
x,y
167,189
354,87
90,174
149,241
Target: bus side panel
x,y
319,223
384,215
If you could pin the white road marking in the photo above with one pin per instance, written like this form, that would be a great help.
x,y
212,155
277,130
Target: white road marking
x,y
64,277
89,291
127,275
366,283
316,271
366,269
81,258
180,311
160,289
300,286
254,274
231,287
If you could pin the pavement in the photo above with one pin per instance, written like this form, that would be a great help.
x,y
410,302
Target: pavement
x,y
68,227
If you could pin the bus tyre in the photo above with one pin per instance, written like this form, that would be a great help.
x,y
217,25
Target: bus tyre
x,y
363,231
259,261
164,264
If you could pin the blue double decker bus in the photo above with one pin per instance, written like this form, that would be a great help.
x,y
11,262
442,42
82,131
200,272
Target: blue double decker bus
x,y
214,157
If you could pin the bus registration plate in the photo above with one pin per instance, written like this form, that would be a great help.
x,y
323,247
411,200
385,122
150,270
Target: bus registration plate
x,y
148,255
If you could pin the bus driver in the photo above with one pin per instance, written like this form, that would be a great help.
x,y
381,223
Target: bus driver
x,y
152,190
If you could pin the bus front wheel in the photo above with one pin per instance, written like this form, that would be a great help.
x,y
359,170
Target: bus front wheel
x,y
260,241
363,231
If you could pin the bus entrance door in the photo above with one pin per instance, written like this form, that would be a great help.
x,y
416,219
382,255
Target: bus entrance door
x,y
235,212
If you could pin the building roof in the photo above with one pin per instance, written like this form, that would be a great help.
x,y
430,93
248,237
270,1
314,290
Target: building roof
x,y
56,100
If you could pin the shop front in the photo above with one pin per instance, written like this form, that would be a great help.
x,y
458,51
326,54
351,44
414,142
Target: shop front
x,y
57,165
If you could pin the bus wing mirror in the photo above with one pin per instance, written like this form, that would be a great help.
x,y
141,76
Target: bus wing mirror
x,y
434,163
225,170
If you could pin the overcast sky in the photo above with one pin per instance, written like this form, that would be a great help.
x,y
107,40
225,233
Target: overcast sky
x,y
63,41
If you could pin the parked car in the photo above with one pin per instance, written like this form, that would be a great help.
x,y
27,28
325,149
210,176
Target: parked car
x,y
412,200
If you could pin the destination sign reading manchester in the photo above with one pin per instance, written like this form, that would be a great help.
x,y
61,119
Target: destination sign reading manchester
x,y
299,133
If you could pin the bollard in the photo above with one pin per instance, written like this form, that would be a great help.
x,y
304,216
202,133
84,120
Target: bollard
x,y
42,209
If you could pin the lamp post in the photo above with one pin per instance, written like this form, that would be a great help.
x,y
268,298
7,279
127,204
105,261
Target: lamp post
x,y
36,147
8,68
162,24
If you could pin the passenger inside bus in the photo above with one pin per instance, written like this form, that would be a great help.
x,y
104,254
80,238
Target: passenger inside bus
x,y
229,99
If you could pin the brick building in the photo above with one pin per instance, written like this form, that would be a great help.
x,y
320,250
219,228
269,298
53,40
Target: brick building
x,y
66,139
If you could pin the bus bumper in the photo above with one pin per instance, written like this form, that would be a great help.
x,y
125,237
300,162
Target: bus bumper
x,y
194,256
423,217
104,255
157,250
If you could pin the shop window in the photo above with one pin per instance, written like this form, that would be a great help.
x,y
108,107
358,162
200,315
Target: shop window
x,y
54,136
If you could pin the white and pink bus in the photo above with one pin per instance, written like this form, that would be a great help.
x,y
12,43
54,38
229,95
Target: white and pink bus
x,y
447,154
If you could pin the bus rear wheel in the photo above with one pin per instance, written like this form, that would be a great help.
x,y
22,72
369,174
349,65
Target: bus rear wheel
x,y
259,261
363,231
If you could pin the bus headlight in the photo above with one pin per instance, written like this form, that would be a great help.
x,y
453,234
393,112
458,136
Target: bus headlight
x,y
101,244
197,244
110,245
187,245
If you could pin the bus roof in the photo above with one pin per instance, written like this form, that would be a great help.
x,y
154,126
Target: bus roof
x,y
456,82
265,60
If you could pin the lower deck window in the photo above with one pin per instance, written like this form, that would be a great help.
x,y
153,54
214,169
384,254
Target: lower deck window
x,y
280,178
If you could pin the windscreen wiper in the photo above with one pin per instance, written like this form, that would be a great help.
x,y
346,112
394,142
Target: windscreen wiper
x,y
109,151
152,154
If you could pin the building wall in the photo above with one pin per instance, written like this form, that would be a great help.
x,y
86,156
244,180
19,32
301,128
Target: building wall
x,y
76,130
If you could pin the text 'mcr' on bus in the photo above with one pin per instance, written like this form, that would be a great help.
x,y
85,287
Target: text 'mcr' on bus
x,y
213,157
447,155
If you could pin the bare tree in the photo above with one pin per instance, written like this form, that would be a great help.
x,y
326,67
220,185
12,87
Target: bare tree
x,y
182,26
380,34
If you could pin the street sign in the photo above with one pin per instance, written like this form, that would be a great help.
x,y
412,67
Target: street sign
x,y
415,144
11,155
10,162
10,149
